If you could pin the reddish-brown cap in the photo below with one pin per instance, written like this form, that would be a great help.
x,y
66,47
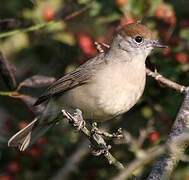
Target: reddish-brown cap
x,y
135,29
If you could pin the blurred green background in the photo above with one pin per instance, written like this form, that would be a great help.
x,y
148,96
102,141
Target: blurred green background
x,y
37,40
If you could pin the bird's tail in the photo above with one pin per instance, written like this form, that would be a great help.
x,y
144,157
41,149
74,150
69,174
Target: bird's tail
x,y
33,131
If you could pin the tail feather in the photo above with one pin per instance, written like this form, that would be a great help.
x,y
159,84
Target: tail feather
x,y
29,135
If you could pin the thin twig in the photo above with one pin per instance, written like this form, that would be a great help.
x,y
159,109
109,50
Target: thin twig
x,y
76,13
98,144
138,162
148,155
29,29
166,82
6,72
144,133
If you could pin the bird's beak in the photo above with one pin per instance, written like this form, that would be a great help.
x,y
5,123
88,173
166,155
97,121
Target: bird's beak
x,y
157,44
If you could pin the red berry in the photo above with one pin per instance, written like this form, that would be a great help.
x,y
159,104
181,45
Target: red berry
x,y
154,136
41,141
166,52
121,3
124,21
169,12
84,41
34,152
170,20
181,58
159,13
22,124
48,14
166,13
86,44
14,167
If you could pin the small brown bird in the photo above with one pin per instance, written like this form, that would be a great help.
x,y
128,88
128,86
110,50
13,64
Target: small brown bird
x,y
104,87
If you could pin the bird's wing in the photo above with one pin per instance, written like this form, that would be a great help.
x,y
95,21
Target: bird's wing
x,y
73,79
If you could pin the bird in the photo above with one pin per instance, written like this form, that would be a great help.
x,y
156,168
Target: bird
x,y
103,88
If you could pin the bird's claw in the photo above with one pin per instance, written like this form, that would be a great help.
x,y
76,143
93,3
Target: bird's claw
x,y
79,117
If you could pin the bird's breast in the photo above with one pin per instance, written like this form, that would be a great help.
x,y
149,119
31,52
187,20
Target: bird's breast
x,y
119,86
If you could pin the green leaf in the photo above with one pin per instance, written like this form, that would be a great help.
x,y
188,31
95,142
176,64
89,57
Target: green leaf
x,y
95,9
66,38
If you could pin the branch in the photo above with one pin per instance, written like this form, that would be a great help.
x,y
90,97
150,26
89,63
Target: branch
x,y
148,155
76,13
6,72
139,162
31,28
165,165
98,144
164,81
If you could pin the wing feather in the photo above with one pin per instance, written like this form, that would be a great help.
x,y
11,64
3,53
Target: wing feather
x,y
73,79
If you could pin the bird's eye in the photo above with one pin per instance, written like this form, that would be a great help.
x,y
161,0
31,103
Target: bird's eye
x,y
138,39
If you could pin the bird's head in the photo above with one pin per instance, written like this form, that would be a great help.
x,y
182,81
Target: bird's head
x,y
137,39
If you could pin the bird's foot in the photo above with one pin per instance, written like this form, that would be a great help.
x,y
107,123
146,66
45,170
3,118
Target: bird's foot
x,y
76,119
80,121
117,134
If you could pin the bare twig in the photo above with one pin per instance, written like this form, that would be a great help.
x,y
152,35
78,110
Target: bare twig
x,y
29,29
76,13
164,81
174,147
98,144
148,155
72,161
138,162
144,133
6,72
165,165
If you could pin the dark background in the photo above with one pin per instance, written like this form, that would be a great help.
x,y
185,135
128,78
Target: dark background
x,y
59,47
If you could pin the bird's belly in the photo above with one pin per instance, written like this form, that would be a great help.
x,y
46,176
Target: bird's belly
x,y
108,95
117,100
